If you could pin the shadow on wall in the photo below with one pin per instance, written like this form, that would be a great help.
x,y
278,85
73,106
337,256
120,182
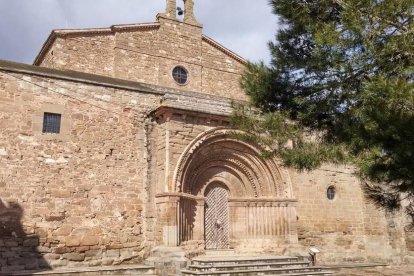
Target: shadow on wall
x,y
18,250
187,215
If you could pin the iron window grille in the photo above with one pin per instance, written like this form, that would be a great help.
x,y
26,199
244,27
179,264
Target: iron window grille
x,y
51,122
180,75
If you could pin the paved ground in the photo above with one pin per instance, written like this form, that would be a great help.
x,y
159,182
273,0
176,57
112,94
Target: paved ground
x,y
382,271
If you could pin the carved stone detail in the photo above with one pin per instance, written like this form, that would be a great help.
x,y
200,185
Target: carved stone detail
x,y
264,176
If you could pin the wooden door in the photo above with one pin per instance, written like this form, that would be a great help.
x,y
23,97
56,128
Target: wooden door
x,y
217,222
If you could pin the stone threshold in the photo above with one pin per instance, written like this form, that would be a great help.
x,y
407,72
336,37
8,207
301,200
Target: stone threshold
x,y
99,269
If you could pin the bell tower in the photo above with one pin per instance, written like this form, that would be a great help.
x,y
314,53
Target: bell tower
x,y
171,11
189,12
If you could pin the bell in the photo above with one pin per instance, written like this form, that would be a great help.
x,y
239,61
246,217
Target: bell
x,y
180,11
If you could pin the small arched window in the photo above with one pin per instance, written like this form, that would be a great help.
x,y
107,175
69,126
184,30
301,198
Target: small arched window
x,y
331,192
180,75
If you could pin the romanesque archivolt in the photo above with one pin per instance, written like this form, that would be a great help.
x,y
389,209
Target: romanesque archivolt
x,y
218,156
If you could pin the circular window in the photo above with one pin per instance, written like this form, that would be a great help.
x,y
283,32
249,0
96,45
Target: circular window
x,y
330,193
180,75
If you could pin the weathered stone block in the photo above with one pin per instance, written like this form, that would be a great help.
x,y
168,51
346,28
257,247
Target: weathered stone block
x,y
55,218
32,264
8,254
75,257
72,241
81,249
52,256
12,268
11,244
114,246
89,241
61,250
41,233
93,253
107,261
64,230
58,193
31,242
112,253
59,263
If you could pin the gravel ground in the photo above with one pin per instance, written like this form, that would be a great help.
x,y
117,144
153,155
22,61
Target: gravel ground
x,y
381,271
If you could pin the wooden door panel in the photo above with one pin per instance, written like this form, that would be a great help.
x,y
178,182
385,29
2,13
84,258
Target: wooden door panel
x,y
217,222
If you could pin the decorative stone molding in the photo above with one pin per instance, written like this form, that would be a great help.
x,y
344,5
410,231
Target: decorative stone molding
x,y
223,159
275,179
176,196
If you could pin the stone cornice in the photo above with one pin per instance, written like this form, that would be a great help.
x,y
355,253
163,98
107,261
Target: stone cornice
x,y
223,49
263,199
179,195
168,111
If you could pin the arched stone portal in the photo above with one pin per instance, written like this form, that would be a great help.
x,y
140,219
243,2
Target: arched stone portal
x,y
260,201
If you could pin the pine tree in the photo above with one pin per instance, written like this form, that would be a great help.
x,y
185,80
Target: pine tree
x,y
339,89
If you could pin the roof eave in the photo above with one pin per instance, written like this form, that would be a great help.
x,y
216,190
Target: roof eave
x,y
225,50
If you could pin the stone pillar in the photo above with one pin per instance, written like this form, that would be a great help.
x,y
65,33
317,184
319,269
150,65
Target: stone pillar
x,y
189,12
199,221
171,10
293,225
167,206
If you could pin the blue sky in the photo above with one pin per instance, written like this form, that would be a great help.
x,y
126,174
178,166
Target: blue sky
x,y
244,26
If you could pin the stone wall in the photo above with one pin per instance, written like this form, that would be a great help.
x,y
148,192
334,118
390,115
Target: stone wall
x,y
92,195
347,228
75,198
172,134
89,53
136,56
221,73
148,53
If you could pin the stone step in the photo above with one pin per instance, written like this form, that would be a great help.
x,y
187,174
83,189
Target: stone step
x,y
319,273
222,252
138,270
248,266
223,260
252,265
262,271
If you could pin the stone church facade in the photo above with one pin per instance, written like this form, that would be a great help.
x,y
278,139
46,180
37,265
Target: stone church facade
x,y
118,140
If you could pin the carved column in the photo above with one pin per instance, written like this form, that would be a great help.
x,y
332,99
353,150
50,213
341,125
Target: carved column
x,y
199,221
